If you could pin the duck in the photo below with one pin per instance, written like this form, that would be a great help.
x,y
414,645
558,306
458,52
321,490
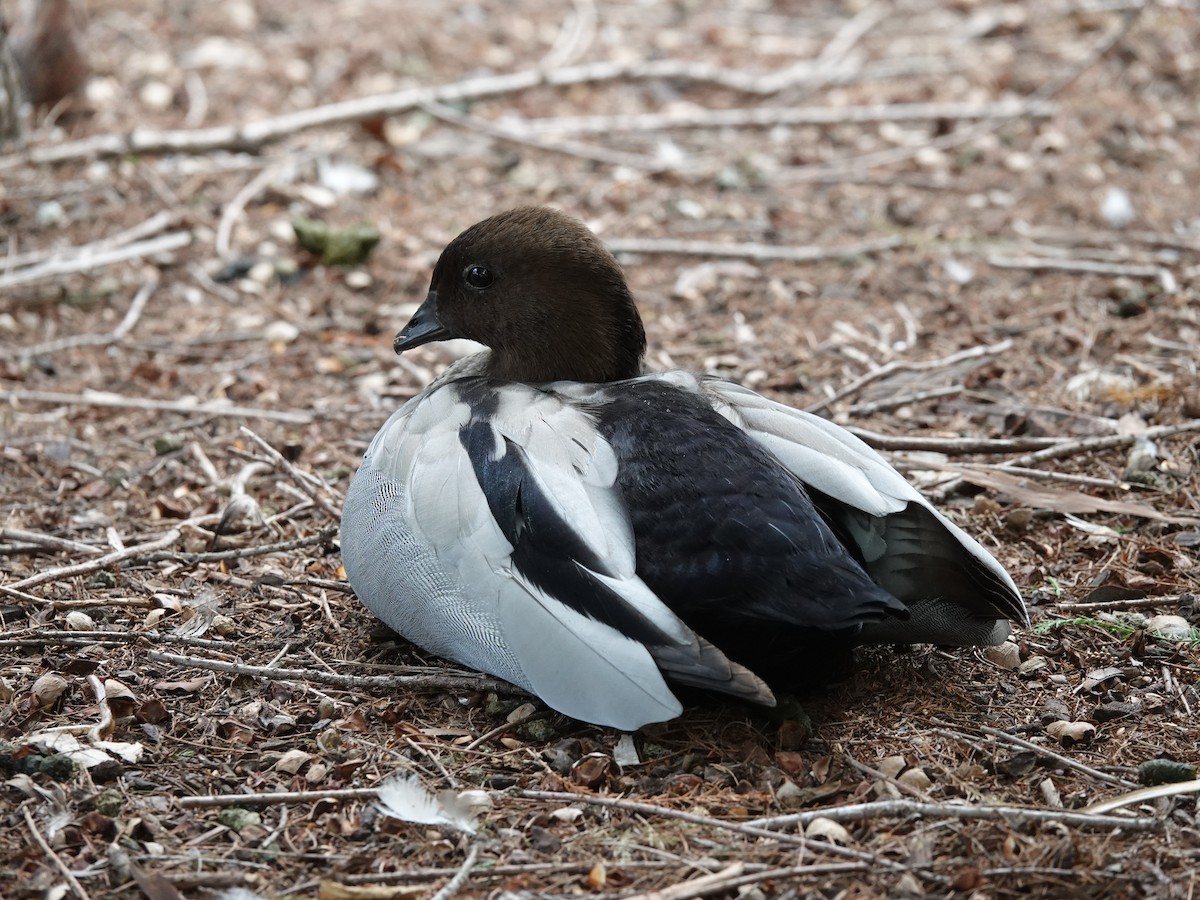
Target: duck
x,y
607,538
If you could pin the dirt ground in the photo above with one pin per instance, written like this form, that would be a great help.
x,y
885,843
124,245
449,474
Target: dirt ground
x,y
1001,210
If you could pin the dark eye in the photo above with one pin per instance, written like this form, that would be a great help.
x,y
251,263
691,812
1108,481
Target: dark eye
x,y
478,276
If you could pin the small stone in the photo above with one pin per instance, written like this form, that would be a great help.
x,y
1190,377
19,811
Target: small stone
x,y
1018,162
343,177
280,332
316,773
79,621
1117,208
50,214
916,778
959,273
1032,666
237,819
156,95
358,280
167,443
262,272
1118,709
1019,519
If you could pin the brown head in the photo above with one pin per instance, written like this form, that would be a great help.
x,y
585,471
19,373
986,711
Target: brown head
x,y
541,292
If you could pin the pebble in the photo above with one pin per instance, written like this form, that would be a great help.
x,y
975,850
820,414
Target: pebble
x,y
51,213
1117,208
280,332
156,95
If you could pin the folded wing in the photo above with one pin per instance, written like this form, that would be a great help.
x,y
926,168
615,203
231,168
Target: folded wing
x,y
957,593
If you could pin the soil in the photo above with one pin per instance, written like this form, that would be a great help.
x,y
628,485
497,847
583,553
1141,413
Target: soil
x,y
1029,277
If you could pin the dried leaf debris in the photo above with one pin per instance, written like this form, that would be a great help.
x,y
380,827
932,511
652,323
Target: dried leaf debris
x,y
962,229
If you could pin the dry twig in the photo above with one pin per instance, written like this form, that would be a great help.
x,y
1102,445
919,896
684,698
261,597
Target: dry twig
x,y
902,807
900,365
739,827
95,340
769,116
423,682
760,252
1012,739
455,884
312,486
101,562
54,858
117,401
85,259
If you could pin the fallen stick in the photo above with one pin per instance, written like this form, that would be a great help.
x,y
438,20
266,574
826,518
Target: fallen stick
x,y
94,340
95,258
100,562
760,252
422,682
769,116
118,401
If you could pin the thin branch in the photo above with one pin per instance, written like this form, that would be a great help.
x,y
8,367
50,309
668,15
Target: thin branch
x,y
1106,238
901,365
424,682
455,884
90,258
955,446
324,536
1088,266
1131,603
276,797
505,132
1143,794
865,409
38,636
547,868
698,887
312,486
94,340
1021,743
902,807
770,116
1103,442
1033,474
649,809
760,252
101,562
148,228
117,401
54,858
48,541
102,730
234,208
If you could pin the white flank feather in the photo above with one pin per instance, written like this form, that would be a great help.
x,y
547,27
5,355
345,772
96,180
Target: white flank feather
x,y
404,797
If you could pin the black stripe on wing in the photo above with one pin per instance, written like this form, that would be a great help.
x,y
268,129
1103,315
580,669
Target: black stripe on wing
x,y
546,549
